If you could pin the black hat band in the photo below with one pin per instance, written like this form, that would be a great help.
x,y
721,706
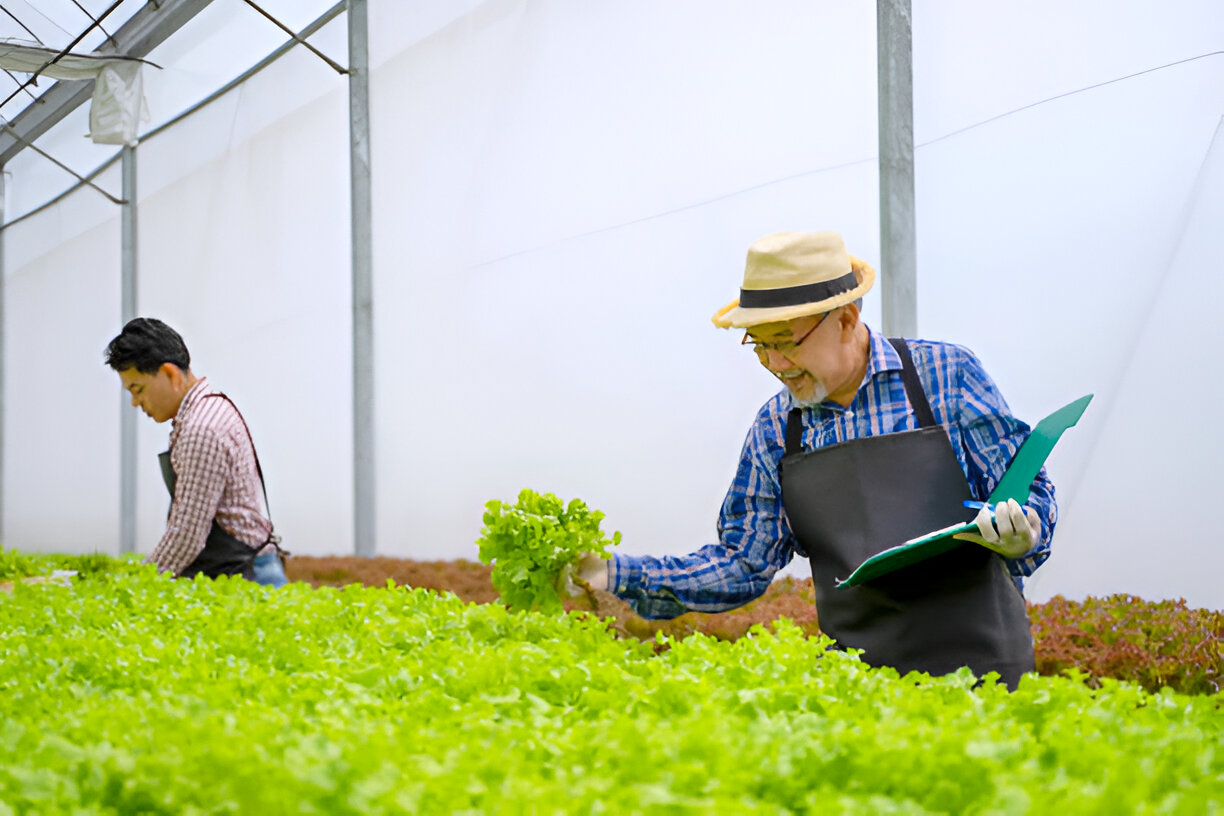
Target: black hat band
x,y
797,295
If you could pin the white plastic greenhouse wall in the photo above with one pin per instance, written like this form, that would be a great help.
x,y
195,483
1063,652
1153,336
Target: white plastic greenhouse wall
x,y
563,196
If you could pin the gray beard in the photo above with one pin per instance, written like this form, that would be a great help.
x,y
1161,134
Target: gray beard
x,y
819,395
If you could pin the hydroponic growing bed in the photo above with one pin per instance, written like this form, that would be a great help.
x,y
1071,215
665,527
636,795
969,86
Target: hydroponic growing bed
x,y
127,692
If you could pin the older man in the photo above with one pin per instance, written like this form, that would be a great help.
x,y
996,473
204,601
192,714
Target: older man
x,y
217,524
870,443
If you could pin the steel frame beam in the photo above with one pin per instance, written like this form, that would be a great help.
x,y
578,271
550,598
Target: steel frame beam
x,y
144,31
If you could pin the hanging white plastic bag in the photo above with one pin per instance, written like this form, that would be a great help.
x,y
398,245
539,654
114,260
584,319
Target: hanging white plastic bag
x,y
118,105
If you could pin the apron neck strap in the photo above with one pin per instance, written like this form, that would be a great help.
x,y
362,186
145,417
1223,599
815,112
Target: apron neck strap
x,y
913,387
794,431
258,469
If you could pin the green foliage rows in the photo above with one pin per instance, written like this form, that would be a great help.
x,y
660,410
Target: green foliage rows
x,y
139,694
531,541
16,564
1154,644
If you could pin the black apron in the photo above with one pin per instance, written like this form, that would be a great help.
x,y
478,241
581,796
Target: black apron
x,y
850,501
223,554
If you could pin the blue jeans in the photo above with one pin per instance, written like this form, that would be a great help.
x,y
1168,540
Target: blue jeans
x,y
269,571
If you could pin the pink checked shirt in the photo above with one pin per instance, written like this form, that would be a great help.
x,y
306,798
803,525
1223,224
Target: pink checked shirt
x,y
216,478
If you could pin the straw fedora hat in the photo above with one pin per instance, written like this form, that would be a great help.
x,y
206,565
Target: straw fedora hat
x,y
795,274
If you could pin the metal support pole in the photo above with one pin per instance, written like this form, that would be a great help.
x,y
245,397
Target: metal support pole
x,y
898,236
363,296
127,308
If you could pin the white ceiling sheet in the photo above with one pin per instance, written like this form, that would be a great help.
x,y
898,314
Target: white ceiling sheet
x,y
55,24
216,46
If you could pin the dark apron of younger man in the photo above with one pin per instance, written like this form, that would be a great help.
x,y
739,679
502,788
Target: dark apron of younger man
x,y
223,554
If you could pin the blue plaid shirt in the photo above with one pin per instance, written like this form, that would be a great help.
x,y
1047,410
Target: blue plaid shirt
x,y
754,537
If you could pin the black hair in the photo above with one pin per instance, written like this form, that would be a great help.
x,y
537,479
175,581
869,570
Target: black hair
x,y
144,344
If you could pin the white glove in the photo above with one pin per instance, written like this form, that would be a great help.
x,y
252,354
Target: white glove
x,y
1017,533
589,567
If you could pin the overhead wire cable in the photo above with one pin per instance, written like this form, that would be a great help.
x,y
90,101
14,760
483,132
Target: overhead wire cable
x,y
1158,288
98,23
13,131
1066,94
68,48
299,40
43,15
17,82
23,25
830,168
325,18
24,86
29,31
339,7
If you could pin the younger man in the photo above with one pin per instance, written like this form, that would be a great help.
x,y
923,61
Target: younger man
x,y
216,524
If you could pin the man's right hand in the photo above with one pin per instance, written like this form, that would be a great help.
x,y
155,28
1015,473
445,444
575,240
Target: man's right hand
x,y
588,567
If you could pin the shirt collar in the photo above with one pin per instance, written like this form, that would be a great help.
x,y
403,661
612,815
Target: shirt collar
x,y
192,396
883,357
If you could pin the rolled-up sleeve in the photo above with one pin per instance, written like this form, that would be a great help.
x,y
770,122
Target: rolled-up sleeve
x,y
754,542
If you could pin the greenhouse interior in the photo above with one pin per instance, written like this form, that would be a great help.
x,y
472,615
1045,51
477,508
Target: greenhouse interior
x,y
464,266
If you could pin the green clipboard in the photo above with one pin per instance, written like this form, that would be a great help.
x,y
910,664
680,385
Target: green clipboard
x,y
1015,484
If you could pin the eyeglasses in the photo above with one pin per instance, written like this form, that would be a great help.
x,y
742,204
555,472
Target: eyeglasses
x,y
781,346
